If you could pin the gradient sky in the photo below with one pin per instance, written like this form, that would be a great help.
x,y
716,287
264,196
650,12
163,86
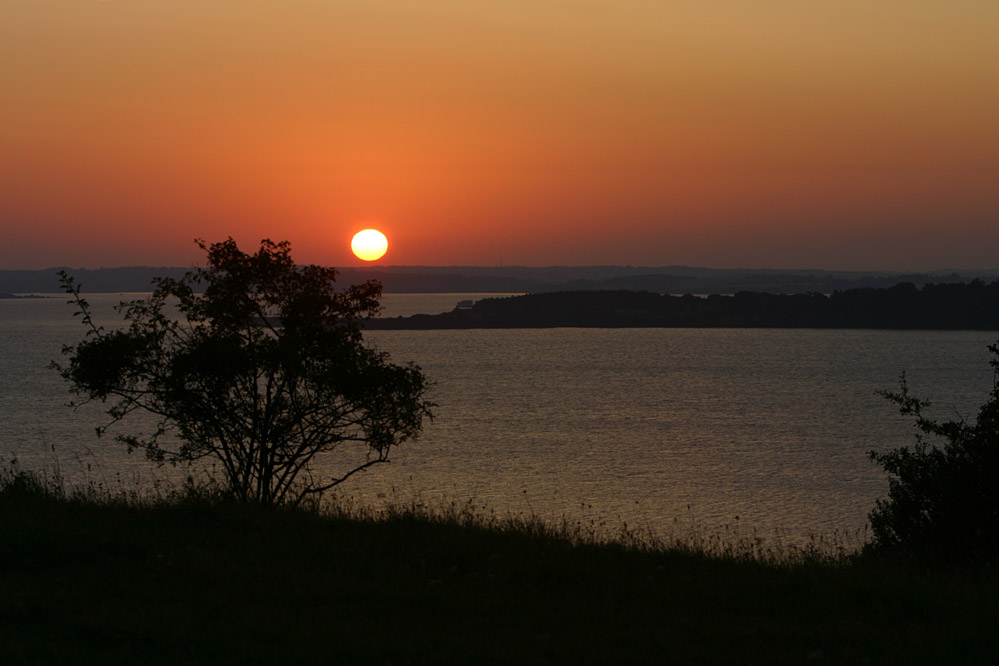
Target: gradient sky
x,y
855,134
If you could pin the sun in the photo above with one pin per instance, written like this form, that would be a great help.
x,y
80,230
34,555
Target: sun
x,y
369,244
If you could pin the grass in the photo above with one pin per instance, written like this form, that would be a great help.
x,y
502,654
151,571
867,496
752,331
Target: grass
x,y
105,578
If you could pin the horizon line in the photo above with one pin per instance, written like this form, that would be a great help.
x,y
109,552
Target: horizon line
x,y
368,267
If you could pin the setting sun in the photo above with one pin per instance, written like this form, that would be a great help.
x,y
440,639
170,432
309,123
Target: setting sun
x,y
369,244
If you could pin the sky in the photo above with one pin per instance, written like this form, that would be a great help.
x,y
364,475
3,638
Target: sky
x,y
846,134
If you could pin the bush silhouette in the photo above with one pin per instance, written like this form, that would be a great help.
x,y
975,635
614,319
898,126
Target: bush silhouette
x,y
943,499
265,372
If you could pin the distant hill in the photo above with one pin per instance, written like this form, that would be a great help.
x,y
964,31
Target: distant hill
x,y
133,278
972,306
522,279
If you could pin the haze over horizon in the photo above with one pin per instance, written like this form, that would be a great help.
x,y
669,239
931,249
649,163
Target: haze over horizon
x,y
248,244
832,136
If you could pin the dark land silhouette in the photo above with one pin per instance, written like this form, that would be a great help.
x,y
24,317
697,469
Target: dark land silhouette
x,y
958,306
6,296
522,279
237,583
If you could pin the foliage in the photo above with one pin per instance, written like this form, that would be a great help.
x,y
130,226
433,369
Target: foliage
x,y
265,372
943,502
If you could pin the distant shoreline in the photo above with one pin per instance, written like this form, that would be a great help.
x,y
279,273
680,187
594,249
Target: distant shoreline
x,y
524,279
973,306
6,296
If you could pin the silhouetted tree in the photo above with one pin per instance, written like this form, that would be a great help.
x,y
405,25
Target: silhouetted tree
x,y
265,372
943,501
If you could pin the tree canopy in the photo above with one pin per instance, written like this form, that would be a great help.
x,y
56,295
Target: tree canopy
x,y
265,372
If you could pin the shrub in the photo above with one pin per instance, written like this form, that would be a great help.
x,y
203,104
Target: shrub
x,y
943,497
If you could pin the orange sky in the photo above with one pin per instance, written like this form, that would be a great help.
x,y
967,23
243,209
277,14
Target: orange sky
x,y
775,133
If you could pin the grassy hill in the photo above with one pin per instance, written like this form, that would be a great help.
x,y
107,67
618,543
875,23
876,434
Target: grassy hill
x,y
96,579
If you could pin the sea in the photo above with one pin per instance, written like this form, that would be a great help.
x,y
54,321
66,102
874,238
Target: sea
x,y
762,431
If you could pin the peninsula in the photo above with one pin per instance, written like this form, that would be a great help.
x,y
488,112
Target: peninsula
x,y
971,306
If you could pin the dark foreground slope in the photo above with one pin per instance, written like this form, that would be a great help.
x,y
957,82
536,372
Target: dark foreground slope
x,y
973,306
196,582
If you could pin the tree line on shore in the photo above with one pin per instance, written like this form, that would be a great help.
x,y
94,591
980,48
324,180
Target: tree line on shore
x,y
957,306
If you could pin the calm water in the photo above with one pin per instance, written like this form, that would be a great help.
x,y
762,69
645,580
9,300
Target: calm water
x,y
644,426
